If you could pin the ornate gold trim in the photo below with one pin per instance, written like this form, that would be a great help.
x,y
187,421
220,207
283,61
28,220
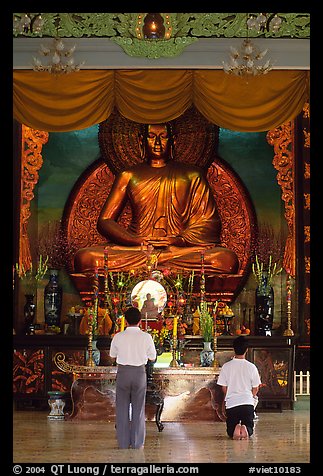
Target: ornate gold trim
x,y
307,234
31,162
59,360
307,296
307,201
281,138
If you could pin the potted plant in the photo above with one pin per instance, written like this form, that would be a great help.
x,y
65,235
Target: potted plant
x,y
206,329
267,255
30,279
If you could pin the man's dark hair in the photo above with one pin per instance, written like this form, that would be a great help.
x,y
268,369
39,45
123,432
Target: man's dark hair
x,y
240,345
132,316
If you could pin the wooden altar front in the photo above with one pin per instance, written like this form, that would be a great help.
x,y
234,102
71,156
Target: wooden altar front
x,y
173,394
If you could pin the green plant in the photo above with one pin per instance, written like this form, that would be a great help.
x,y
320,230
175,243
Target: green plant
x,y
269,272
206,322
267,254
30,277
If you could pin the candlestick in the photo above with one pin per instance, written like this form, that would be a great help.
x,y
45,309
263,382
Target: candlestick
x,y
289,331
106,278
96,291
174,362
175,328
202,282
90,362
122,324
215,362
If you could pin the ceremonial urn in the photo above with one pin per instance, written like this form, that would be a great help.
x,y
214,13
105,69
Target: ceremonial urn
x,y
264,309
57,403
207,355
29,313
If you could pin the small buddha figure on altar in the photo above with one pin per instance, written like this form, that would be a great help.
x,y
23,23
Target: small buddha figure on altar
x,y
149,309
173,211
104,323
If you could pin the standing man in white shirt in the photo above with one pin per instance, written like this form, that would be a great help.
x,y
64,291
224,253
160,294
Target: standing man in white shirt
x,y
240,382
131,348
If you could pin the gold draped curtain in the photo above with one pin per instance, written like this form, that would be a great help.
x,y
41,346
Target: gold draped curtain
x,y
79,100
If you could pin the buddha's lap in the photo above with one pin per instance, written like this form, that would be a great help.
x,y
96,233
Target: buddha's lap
x,y
218,258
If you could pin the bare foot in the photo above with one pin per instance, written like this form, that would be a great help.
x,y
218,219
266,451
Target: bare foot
x,y
237,432
244,433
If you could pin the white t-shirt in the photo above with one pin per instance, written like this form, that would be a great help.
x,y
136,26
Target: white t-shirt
x,y
132,347
239,375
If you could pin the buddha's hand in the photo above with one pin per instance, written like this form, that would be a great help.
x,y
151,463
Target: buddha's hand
x,y
166,241
158,242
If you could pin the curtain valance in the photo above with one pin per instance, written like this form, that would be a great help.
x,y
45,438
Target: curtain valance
x,y
79,100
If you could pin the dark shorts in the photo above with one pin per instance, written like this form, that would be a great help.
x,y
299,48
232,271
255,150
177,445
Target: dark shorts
x,y
243,413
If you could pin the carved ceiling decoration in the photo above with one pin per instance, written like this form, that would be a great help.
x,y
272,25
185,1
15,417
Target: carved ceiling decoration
x,y
182,29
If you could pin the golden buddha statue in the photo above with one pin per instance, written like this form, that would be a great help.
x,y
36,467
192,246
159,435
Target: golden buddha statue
x,y
173,211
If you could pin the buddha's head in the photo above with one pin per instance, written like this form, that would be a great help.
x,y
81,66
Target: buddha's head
x,y
157,142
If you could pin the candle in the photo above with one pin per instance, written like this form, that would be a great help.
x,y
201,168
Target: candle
x,y
122,324
175,328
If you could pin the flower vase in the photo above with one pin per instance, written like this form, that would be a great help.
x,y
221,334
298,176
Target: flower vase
x,y
29,313
96,354
207,355
264,309
53,299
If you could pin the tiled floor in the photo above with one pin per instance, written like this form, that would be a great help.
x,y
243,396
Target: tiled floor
x,y
279,438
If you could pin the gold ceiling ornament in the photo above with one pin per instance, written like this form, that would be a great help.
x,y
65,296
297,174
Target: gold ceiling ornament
x,y
249,60
31,161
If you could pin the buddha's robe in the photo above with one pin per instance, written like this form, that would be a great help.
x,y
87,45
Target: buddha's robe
x,y
166,202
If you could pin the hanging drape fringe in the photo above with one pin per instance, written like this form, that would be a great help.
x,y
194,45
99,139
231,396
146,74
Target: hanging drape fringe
x,y
77,101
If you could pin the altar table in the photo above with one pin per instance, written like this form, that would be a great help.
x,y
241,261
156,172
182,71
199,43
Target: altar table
x,y
173,394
